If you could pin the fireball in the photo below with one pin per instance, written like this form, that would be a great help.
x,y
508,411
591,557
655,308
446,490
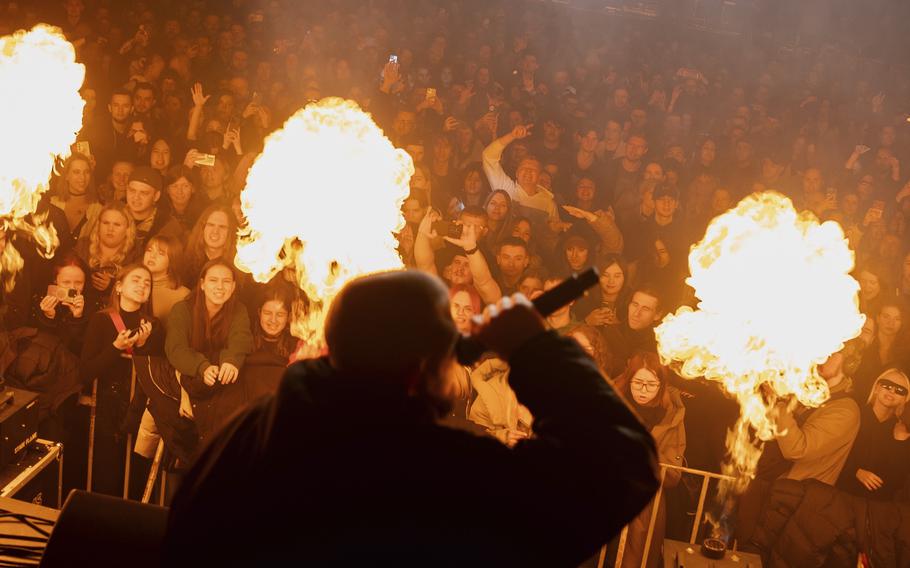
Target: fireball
x,y
776,299
324,200
41,109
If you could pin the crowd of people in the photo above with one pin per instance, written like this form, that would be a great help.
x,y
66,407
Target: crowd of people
x,y
541,147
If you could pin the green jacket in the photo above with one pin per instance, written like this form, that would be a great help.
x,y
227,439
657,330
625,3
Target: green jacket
x,y
191,362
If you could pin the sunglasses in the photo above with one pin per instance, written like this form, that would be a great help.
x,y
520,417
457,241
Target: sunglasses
x,y
893,387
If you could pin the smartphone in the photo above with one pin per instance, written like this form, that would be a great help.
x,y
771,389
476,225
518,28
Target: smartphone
x,y
431,93
84,148
205,160
393,58
135,331
448,229
65,295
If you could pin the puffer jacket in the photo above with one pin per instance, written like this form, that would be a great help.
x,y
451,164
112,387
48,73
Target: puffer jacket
x,y
811,524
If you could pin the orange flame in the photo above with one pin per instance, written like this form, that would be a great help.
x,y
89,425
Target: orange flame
x,y
776,299
41,98
324,198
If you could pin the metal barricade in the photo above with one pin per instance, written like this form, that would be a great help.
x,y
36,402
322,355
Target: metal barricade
x,y
707,476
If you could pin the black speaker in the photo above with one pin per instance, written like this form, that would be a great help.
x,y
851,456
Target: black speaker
x,y
98,530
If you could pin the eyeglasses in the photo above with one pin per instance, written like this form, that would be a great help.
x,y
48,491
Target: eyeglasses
x,y
893,387
645,387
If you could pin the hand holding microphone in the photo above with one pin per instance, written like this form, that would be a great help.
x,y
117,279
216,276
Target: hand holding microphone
x,y
506,325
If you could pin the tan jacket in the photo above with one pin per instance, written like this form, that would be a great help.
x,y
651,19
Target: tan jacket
x,y
820,447
496,407
670,437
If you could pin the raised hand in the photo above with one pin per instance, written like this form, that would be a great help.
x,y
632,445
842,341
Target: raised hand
x,y
199,99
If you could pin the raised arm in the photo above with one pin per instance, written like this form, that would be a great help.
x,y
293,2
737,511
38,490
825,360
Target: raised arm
x,y
492,155
477,262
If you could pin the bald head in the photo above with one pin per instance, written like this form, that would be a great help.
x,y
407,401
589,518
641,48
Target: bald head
x,y
390,325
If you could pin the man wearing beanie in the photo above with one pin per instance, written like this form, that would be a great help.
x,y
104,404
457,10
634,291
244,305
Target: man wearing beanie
x,y
142,196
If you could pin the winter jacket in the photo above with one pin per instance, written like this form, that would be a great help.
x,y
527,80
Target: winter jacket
x,y
809,524
670,437
372,475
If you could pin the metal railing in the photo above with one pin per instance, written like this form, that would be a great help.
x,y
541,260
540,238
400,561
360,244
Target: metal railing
x,y
706,476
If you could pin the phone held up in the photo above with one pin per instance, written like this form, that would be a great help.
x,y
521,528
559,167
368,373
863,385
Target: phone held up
x,y
65,295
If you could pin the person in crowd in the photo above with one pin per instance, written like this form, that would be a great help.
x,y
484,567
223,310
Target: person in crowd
x,y
465,303
273,344
76,198
663,225
605,304
874,286
104,251
208,339
533,201
561,320
888,348
498,206
385,410
62,310
213,236
112,337
512,259
464,261
635,332
182,200
117,182
575,253
121,136
475,189
877,467
160,156
163,257
623,177
815,443
143,194
592,342
645,385
524,230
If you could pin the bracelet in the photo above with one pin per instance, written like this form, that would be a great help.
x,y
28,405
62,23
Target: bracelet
x,y
470,252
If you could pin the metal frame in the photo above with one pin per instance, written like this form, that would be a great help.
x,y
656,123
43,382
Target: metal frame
x,y
707,476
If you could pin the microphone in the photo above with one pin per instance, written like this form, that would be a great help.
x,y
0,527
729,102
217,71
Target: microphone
x,y
468,350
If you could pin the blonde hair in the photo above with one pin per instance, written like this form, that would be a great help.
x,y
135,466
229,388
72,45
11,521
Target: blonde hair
x,y
899,411
94,243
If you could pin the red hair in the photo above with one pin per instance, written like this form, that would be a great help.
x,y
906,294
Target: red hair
x,y
472,293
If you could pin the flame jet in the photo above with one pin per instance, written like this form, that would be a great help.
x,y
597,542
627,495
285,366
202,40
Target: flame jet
x,y
323,200
776,299
41,110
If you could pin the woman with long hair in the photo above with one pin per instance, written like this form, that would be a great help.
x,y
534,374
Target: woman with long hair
x,y
878,465
888,348
499,215
160,156
163,257
125,328
208,339
645,386
76,197
105,250
475,188
273,344
213,236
